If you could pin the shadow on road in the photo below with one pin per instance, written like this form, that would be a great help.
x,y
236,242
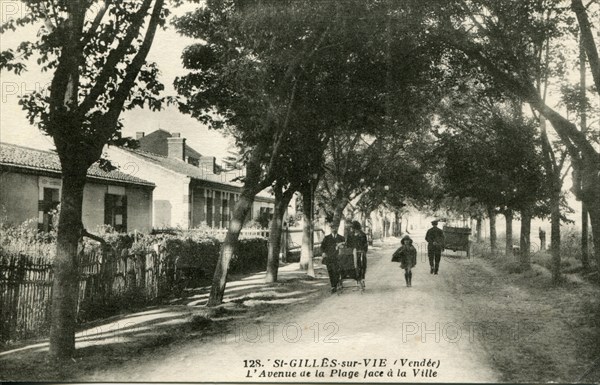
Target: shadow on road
x,y
125,337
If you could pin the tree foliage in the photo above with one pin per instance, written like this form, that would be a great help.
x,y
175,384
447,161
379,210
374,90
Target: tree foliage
x,y
498,163
98,48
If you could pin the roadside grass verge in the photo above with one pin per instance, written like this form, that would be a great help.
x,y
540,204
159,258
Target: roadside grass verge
x,y
541,332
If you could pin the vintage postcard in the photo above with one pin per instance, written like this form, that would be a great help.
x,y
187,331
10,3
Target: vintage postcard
x,y
307,191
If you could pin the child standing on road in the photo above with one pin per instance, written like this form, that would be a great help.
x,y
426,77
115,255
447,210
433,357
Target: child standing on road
x,y
407,256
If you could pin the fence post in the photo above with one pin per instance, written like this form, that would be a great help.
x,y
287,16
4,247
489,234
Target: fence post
x,y
14,301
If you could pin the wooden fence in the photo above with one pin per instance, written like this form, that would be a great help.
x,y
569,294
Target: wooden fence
x,y
212,232
25,291
107,276
220,233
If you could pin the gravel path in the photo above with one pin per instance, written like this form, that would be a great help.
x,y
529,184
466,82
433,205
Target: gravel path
x,y
379,336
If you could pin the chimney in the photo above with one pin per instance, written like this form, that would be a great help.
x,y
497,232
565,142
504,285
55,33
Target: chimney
x,y
176,147
139,135
208,163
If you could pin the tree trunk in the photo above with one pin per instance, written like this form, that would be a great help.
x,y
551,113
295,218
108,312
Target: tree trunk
x,y
555,187
63,125
274,241
525,242
555,235
308,231
79,145
363,218
478,228
586,179
400,226
585,255
65,288
585,186
281,202
508,216
587,40
338,215
252,186
285,239
588,167
492,217
542,240
594,212
397,221
583,126
240,212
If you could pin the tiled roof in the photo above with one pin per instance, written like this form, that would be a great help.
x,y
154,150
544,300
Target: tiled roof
x,y
38,160
194,172
187,169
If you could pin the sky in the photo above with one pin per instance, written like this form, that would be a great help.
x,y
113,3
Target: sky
x,y
166,51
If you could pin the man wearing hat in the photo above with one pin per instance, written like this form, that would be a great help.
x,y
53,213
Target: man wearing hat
x,y
330,247
435,245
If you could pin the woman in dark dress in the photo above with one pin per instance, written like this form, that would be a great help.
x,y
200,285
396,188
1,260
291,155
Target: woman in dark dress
x,y
357,240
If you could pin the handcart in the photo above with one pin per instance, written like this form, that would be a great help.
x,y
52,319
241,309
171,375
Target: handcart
x,y
351,270
457,239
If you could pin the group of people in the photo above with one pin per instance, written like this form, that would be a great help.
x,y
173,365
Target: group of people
x,y
406,254
331,246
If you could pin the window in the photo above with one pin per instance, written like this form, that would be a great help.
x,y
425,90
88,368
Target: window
x,y
115,211
47,207
209,211
225,214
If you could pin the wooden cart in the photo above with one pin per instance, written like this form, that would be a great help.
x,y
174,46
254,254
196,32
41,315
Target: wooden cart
x,y
457,239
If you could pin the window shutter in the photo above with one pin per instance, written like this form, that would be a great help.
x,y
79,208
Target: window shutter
x,y
124,213
108,208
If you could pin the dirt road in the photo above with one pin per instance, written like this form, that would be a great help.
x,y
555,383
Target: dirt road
x,y
389,333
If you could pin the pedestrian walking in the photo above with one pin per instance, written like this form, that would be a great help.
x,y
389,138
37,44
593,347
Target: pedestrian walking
x,y
330,248
357,240
435,245
407,256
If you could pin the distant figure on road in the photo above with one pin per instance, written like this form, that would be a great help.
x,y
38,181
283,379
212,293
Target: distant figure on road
x,y
369,235
357,240
330,248
407,256
542,240
435,245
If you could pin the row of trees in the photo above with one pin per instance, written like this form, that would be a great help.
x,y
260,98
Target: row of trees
x,y
345,95
308,88
526,54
